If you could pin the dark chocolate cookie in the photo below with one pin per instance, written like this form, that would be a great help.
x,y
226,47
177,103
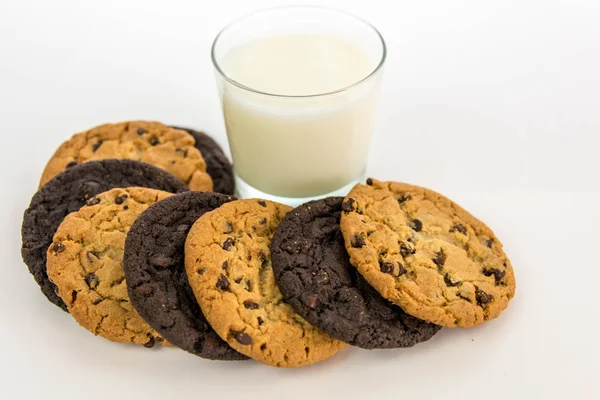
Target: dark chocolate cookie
x,y
217,165
68,192
313,272
156,279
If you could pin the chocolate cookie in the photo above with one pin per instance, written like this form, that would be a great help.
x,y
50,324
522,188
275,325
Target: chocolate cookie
x,y
313,272
228,263
85,262
217,165
151,142
426,254
70,190
155,273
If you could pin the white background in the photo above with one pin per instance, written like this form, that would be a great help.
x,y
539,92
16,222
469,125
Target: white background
x,y
494,103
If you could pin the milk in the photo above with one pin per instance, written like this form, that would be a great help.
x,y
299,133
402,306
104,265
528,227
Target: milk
x,y
299,146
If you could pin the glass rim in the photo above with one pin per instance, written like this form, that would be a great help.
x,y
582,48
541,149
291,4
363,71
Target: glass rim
x,y
291,7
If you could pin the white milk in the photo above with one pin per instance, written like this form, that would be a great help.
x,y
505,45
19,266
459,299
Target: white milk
x,y
299,146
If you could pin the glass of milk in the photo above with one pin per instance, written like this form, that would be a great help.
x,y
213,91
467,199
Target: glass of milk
x,y
299,89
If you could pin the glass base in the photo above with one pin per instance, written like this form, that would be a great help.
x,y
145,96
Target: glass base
x,y
245,191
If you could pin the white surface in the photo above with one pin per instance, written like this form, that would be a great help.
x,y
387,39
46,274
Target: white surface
x,y
495,103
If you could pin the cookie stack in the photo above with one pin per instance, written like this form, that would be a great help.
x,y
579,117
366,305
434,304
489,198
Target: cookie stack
x,y
115,237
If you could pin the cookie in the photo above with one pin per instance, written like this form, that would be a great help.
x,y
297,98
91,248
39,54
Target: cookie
x,y
426,254
68,192
150,142
228,263
313,272
217,165
85,262
155,274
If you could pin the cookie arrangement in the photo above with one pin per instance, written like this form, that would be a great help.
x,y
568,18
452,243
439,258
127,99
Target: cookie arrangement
x,y
134,231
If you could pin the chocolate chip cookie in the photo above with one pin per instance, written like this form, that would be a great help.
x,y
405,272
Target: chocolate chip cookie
x,y
155,274
426,254
151,142
228,264
85,262
68,192
217,165
314,274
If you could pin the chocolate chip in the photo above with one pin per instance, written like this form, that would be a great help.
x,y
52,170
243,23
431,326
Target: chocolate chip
x,y
262,220
357,242
182,228
89,189
91,280
404,197
140,131
262,203
228,243
201,271
312,301
223,282
73,296
182,151
125,208
387,268
489,243
401,269
369,181
225,265
228,227
450,281
160,260
262,256
238,280
439,259
482,297
91,257
119,199
97,145
92,201
58,247
260,321
154,141
243,338
250,305
144,290
249,285
321,277
150,343
416,225
71,164
460,228
498,274
249,235
347,205
406,250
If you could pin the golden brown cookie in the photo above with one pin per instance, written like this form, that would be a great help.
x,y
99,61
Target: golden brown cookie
x,y
228,262
152,142
85,262
426,254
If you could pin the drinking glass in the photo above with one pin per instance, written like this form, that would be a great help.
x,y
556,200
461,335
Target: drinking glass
x,y
311,141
